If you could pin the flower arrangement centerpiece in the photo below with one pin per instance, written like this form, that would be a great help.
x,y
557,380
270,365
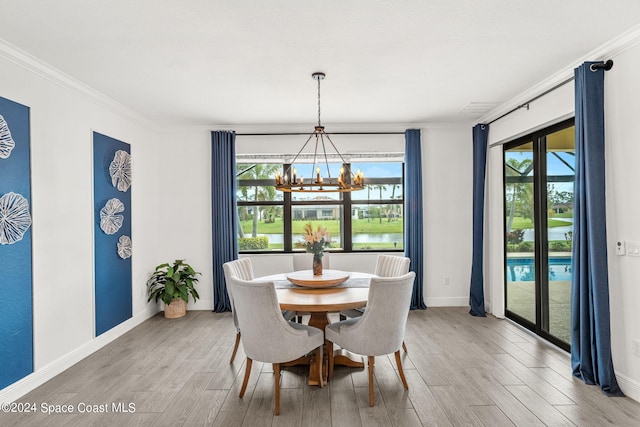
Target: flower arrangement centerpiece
x,y
315,242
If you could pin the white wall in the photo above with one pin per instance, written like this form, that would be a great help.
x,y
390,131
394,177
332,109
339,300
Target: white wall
x,y
622,127
185,207
447,166
63,116
264,265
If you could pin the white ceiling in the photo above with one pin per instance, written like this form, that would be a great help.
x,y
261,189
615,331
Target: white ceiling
x,y
238,62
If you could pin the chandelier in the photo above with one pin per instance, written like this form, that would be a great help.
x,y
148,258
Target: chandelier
x,y
316,182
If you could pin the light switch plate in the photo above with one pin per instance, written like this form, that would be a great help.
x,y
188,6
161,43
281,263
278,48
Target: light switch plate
x,y
620,250
633,248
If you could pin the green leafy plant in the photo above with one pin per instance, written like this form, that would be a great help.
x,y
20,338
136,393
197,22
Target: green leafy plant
x,y
560,246
253,243
525,246
173,281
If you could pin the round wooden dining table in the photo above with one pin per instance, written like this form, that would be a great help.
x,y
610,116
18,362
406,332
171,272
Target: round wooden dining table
x,y
319,302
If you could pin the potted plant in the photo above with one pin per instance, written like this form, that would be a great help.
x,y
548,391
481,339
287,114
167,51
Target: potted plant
x,y
173,284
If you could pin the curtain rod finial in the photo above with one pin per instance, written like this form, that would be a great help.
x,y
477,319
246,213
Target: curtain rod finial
x,y
607,65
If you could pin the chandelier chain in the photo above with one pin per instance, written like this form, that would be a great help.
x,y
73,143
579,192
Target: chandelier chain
x,y
319,124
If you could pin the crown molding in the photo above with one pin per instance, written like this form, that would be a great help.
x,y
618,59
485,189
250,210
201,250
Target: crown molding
x,y
40,68
609,50
331,128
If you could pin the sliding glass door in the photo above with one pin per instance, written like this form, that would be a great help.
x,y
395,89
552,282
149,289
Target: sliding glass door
x,y
538,194
520,233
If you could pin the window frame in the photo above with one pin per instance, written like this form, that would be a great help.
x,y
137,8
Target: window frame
x,y
345,202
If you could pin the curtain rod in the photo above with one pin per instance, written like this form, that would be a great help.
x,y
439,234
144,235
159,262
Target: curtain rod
x,y
605,65
308,133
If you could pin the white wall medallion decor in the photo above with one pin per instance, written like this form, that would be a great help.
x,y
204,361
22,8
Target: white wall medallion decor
x,y
15,219
6,141
110,221
120,170
124,247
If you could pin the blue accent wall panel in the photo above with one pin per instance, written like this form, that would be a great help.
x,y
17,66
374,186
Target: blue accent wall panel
x,y
16,314
113,303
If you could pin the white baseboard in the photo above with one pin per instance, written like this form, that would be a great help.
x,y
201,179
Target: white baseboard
x,y
36,379
447,302
201,304
630,387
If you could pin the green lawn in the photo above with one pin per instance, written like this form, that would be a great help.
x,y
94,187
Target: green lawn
x,y
522,223
563,215
333,226
360,226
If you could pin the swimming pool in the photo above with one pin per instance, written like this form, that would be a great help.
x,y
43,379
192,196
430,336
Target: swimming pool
x,y
521,269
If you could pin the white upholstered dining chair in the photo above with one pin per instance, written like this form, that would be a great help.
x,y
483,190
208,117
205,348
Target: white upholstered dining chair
x,y
304,261
380,330
266,335
242,269
392,266
386,266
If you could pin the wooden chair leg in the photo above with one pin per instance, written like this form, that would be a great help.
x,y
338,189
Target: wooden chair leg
x,y
235,347
320,362
371,361
247,372
330,357
276,372
404,346
401,371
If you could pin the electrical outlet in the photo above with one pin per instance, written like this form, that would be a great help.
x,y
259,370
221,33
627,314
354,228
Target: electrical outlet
x,y
446,281
636,347
620,247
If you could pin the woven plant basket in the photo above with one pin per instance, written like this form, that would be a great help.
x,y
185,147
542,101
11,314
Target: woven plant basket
x,y
177,308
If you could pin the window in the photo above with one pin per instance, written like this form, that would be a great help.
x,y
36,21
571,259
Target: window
x,y
270,220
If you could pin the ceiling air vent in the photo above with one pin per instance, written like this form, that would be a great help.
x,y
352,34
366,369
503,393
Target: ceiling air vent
x,y
478,108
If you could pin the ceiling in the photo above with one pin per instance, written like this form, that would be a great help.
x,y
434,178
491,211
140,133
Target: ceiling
x,y
239,62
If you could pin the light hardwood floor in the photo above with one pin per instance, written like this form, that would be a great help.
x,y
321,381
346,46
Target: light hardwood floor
x,y
461,370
